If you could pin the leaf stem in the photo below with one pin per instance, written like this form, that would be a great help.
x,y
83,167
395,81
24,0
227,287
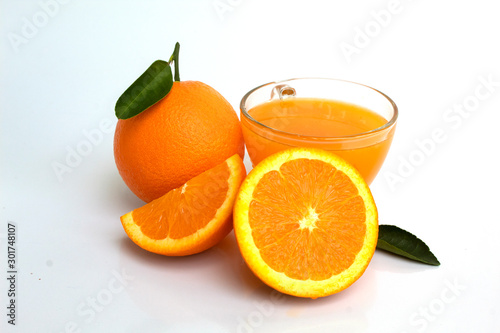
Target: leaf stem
x,y
175,58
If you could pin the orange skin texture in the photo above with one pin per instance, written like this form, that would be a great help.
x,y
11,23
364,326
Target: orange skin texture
x,y
189,131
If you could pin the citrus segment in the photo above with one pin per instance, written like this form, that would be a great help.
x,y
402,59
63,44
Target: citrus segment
x,y
192,217
306,222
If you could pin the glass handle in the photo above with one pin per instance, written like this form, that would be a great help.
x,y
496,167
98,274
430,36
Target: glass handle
x,y
283,91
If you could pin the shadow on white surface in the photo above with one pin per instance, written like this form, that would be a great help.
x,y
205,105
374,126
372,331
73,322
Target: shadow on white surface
x,y
217,286
119,193
389,262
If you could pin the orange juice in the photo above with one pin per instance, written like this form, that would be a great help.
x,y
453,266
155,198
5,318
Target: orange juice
x,y
353,132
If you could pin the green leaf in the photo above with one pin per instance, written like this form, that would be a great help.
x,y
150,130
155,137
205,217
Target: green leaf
x,y
403,243
154,84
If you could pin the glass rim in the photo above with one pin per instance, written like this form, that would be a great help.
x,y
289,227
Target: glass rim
x,y
388,124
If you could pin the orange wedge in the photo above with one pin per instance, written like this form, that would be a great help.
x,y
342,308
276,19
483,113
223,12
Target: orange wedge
x,y
192,217
306,223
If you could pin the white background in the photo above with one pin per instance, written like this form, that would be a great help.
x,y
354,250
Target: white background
x,y
65,63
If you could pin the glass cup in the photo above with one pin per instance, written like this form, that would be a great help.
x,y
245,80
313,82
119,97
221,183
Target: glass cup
x,y
365,150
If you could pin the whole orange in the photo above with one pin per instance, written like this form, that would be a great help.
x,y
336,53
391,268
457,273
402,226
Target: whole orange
x,y
189,131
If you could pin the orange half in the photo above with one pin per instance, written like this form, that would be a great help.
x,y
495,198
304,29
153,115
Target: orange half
x,y
191,218
306,222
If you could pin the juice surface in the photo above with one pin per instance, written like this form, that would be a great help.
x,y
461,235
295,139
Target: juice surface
x,y
316,117
313,122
